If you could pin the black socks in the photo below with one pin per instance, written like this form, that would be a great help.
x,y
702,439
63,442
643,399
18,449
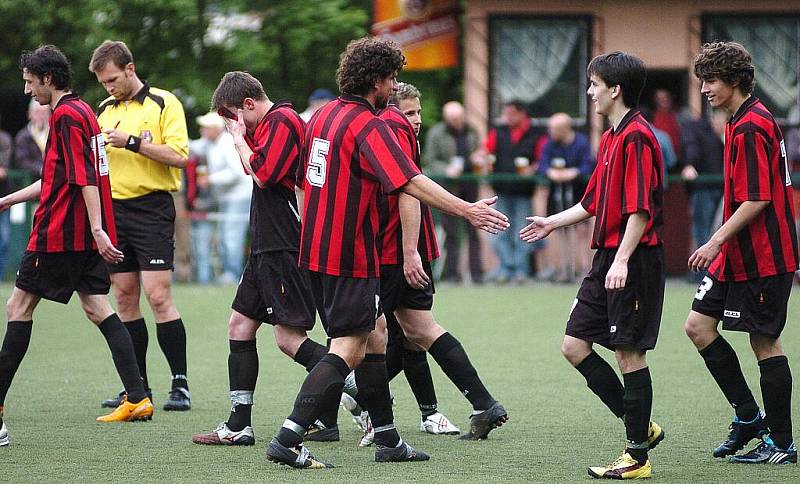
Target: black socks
x,y
15,345
722,362
138,331
172,340
453,360
418,374
776,389
638,402
603,381
373,391
309,353
121,346
242,376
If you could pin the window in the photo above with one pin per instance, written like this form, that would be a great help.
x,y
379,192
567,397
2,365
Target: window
x,y
774,43
540,61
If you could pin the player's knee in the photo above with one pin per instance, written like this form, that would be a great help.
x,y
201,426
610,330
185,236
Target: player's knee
x,y
573,352
695,331
160,300
241,329
13,310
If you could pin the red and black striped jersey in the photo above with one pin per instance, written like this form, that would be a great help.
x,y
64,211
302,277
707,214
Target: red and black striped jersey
x,y
755,169
276,144
391,235
626,180
74,157
349,156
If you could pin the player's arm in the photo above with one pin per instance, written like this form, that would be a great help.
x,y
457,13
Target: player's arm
x,y
91,198
410,220
300,194
161,153
705,255
617,274
237,129
480,214
540,227
31,192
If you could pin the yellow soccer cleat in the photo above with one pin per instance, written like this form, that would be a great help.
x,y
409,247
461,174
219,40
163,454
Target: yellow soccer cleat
x,y
655,435
129,412
626,467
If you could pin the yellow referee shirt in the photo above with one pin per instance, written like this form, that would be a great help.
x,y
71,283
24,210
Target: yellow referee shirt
x,y
154,115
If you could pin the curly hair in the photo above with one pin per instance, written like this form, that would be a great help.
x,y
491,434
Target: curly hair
x,y
48,60
727,61
404,91
621,69
367,61
234,87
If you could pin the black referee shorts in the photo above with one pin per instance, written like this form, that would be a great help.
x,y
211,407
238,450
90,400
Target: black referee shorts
x,y
145,233
757,306
56,275
346,305
396,293
628,317
274,290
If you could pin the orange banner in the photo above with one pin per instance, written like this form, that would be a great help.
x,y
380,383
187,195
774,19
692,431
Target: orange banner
x,y
426,30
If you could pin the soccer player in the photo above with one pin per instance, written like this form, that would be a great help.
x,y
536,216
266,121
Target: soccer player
x,y
146,129
750,260
349,155
619,302
268,137
408,246
73,233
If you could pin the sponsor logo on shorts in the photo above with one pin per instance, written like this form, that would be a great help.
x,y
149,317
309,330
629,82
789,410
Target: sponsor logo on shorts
x,y
731,314
157,261
613,329
269,310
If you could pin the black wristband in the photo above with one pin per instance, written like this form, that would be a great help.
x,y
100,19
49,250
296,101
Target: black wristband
x,y
133,143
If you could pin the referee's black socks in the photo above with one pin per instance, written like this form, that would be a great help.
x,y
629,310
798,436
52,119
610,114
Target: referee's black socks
x,y
776,389
172,340
373,391
638,401
722,362
321,389
603,381
242,376
15,345
121,346
453,360
138,331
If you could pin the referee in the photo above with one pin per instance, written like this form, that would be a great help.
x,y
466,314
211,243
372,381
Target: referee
x,y
148,145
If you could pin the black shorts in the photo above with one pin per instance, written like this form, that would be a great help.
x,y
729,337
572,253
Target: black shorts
x,y
396,293
274,290
56,275
346,305
145,233
628,317
757,306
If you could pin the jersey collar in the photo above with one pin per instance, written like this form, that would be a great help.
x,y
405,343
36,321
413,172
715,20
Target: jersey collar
x,y
66,97
746,105
352,98
139,96
633,112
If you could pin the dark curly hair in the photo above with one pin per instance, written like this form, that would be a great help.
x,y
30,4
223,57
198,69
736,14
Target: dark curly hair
x,y
48,60
621,69
365,62
727,61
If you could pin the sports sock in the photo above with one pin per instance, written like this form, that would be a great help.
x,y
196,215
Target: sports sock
x,y
722,362
638,401
321,388
121,346
373,392
138,331
394,359
776,389
15,345
309,353
172,340
453,360
418,374
603,381
242,376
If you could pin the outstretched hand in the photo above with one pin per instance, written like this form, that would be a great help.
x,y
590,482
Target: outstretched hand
x,y
537,229
481,215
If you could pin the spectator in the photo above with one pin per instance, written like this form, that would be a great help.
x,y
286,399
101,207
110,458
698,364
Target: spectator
x,y
316,100
6,149
703,155
665,118
513,145
30,141
448,146
230,187
566,159
200,204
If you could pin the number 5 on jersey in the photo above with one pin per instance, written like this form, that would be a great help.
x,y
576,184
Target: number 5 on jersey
x,y
317,162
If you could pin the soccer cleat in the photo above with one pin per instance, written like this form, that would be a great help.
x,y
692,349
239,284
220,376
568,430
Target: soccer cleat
x,y
654,435
318,432
481,424
179,400
298,457
741,433
222,435
4,440
115,402
766,452
626,467
403,453
369,434
129,412
438,424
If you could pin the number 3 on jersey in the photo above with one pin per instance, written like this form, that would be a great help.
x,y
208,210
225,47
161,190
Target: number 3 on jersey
x,y
317,162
